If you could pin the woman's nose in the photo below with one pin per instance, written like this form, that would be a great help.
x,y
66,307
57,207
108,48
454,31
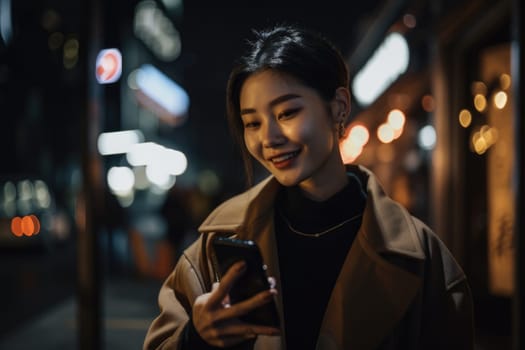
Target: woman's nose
x,y
272,135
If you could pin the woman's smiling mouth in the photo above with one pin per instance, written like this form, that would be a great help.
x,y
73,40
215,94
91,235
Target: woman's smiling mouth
x,y
283,160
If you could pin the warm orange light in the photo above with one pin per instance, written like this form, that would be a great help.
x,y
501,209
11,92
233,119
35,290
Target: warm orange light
x,y
385,133
28,225
505,81
480,102
352,145
36,224
478,87
483,139
396,118
16,226
465,118
360,135
427,102
350,151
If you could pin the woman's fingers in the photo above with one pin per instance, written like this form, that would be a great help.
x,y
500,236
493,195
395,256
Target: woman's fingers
x,y
243,307
241,329
218,322
227,281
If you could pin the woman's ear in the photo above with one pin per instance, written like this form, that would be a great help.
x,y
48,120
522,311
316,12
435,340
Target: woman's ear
x,y
341,104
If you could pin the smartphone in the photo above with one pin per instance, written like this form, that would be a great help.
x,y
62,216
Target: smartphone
x,y
226,252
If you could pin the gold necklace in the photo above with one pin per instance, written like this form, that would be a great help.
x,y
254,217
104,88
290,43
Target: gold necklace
x,y
318,234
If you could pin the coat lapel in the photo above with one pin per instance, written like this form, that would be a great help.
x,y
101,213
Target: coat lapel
x,y
369,298
372,294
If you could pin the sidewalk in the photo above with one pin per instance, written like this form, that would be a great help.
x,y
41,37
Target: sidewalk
x,y
129,306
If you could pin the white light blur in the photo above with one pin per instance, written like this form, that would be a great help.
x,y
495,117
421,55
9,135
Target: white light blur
x,y
9,196
500,99
387,63
159,177
118,142
25,190
141,153
121,180
427,137
141,180
9,191
132,80
157,31
6,25
42,194
175,162
161,89
126,199
168,160
162,163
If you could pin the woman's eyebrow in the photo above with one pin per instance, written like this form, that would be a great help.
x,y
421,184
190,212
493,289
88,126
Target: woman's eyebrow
x,y
272,103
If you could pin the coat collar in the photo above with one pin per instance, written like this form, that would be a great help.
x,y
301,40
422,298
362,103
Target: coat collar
x,y
387,222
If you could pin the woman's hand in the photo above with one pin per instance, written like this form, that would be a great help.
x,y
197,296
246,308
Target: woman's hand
x,y
217,321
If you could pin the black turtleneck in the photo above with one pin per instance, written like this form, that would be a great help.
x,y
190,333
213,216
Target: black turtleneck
x,y
309,265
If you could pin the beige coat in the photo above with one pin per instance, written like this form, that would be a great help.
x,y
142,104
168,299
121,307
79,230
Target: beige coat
x,y
399,287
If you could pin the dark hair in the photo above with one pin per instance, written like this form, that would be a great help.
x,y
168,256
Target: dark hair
x,y
300,53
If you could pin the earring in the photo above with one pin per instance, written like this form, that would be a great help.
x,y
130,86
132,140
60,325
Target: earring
x,y
342,128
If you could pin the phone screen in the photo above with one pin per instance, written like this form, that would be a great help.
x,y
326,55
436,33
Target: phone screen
x,y
227,251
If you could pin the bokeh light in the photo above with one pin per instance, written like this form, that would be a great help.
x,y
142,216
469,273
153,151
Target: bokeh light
x,y
465,118
427,137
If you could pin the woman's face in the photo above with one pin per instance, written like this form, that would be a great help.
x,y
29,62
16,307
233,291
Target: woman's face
x,y
291,130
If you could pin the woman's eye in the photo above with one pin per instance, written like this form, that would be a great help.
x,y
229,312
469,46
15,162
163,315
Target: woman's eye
x,y
251,125
288,113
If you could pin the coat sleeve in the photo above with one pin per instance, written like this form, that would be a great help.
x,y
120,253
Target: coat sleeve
x,y
448,321
460,325
175,299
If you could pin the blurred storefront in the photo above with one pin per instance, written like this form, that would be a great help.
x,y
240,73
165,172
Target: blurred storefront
x,y
457,96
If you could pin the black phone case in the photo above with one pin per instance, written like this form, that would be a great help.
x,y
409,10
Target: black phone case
x,y
227,251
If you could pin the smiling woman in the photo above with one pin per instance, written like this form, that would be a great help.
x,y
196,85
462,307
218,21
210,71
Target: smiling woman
x,y
367,273
293,132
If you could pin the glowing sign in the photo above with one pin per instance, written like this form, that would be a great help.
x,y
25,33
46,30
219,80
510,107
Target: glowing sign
x,y
163,96
108,66
387,63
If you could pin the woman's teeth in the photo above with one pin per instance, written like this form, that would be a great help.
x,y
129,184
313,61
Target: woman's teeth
x,y
284,157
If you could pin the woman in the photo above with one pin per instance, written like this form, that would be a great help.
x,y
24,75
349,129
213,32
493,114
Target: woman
x,y
353,269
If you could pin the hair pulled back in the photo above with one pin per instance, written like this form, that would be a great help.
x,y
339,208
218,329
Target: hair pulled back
x,y
302,54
